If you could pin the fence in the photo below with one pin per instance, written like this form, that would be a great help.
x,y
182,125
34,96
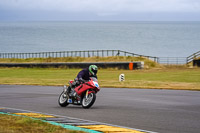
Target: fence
x,y
89,53
193,56
102,53
172,60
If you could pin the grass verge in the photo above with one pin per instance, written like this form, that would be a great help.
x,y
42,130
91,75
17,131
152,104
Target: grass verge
x,y
17,124
148,63
162,78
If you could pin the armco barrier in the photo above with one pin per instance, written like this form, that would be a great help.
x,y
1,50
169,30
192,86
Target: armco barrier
x,y
119,65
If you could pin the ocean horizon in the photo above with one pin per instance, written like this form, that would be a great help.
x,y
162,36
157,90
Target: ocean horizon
x,y
161,39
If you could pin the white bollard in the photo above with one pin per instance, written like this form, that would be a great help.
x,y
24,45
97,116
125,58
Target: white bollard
x,y
142,64
121,77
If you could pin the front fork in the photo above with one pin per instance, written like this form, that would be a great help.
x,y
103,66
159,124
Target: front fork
x,y
65,90
86,95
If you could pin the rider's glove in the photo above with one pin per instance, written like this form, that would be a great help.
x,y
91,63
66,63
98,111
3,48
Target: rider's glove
x,y
75,81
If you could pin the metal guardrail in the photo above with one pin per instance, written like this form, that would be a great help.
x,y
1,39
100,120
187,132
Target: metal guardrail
x,y
178,60
89,53
193,56
102,53
172,60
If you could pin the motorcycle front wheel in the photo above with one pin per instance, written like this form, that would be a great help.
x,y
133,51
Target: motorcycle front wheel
x,y
63,100
89,101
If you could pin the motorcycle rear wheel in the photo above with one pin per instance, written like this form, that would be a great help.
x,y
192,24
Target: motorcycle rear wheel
x,y
63,100
88,102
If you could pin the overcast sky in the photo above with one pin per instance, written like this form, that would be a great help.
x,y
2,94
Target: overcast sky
x,y
95,10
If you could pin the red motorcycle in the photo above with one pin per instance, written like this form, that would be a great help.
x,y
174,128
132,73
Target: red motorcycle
x,y
86,94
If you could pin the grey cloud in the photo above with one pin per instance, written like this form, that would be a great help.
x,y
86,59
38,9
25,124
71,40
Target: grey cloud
x,y
105,5
100,9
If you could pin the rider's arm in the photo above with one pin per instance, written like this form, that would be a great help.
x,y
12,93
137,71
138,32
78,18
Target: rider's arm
x,y
81,74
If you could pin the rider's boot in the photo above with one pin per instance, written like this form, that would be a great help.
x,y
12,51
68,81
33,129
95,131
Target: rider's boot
x,y
68,90
73,93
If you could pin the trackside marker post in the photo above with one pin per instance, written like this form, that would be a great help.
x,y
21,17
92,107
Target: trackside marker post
x,y
121,77
130,66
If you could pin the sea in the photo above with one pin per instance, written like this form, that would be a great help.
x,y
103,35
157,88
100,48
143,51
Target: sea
x,y
161,39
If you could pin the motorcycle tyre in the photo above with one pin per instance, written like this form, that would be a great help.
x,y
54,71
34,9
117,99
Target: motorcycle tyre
x,y
91,103
64,104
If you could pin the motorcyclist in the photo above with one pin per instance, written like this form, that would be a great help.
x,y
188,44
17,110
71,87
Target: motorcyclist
x,y
83,76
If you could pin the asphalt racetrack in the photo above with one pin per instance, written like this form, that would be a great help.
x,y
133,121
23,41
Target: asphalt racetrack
x,y
164,111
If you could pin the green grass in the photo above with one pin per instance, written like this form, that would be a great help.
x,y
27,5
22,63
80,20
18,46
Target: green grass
x,y
162,78
17,124
153,76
